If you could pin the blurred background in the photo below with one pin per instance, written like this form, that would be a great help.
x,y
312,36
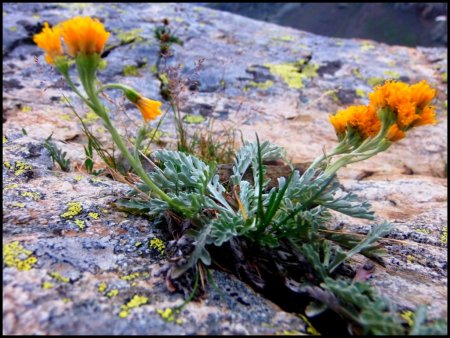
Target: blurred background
x,y
405,24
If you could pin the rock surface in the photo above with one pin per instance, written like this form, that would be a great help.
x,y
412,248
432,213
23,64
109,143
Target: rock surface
x,y
244,82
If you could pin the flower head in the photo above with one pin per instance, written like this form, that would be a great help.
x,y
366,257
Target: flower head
x,y
409,103
362,118
149,109
49,40
85,35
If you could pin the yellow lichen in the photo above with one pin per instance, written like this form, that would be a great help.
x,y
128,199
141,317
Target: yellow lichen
x,y
26,109
360,92
410,258
8,165
131,276
444,235
137,244
289,333
93,215
18,205
78,178
391,74
5,139
47,285
65,117
33,195
80,223
157,244
66,300
366,46
168,314
90,117
112,293
408,316
356,72
102,287
423,231
59,277
293,73
20,167
11,186
260,85
15,255
309,329
74,208
135,302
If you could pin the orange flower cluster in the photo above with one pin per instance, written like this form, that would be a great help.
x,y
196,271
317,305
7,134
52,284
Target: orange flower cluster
x,y
410,104
80,34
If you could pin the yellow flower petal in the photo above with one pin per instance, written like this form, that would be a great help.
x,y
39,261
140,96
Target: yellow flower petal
x,y
149,108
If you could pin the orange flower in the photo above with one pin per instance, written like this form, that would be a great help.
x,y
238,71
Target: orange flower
x,y
362,118
409,103
149,108
49,40
395,134
84,34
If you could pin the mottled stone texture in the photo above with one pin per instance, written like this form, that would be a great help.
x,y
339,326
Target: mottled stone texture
x,y
243,82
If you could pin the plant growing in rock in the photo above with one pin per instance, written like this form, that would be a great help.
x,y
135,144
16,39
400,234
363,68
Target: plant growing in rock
x,y
266,234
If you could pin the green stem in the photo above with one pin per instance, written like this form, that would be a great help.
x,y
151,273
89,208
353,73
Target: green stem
x,y
87,66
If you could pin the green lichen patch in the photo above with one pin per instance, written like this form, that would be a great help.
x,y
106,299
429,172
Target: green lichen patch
x,y
285,38
391,74
154,69
366,46
90,117
93,215
360,92
60,278
135,302
15,255
78,178
33,195
65,117
357,73
158,244
375,81
130,70
130,36
5,139
73,209
168,314
444,77
293,74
